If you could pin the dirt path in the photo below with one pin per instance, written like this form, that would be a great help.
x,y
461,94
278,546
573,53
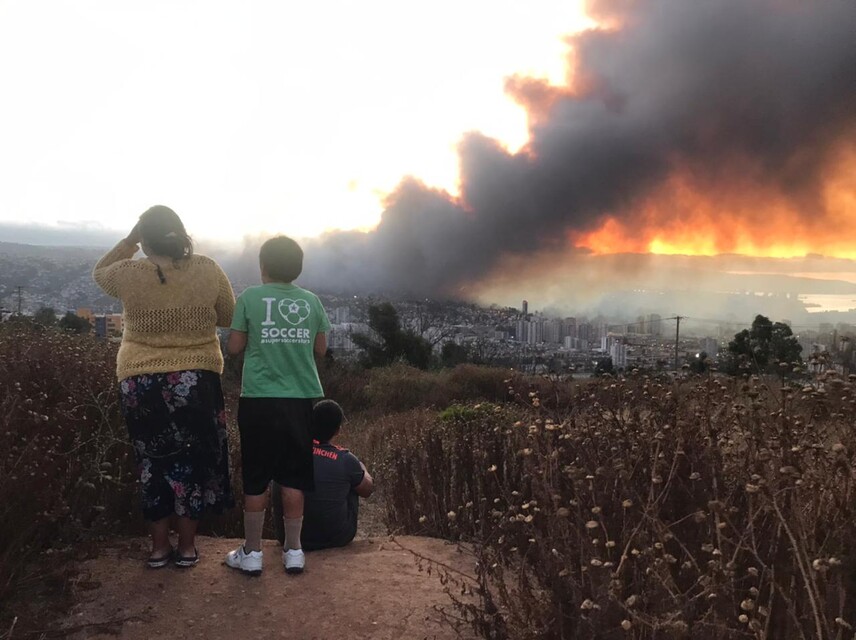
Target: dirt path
x,y
372,589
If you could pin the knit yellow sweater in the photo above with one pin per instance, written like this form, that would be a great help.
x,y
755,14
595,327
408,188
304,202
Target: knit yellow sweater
x,y
169,326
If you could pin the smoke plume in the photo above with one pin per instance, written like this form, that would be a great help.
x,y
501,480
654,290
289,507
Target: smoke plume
x,y
720,120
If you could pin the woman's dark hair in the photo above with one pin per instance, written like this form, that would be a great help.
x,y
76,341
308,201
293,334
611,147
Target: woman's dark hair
x,y
327,417
162,231
282,259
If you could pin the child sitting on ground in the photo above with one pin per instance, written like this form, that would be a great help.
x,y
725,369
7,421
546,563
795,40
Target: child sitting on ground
x,y
331,509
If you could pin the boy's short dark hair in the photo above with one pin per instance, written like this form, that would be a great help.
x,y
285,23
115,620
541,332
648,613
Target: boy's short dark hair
x,y
327,417
282,259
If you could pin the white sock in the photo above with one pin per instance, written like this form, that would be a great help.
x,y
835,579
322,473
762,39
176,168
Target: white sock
x,y
292,532
254,522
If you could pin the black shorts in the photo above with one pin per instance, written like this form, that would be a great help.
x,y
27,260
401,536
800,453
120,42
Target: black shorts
x,y
276,443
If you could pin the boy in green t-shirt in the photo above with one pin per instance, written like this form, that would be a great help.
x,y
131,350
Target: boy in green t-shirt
x,y
282,328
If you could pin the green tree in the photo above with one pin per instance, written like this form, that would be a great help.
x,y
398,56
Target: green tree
x,y
45,316
701,363
392,342
453,354
383,320
74,324
763,347
604,367
415,350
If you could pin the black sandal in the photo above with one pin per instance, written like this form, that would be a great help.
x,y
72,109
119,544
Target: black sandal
x,y
159,563
185,562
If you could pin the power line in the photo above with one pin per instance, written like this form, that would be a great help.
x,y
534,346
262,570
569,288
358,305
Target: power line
x,y
721,321
640,323
747,324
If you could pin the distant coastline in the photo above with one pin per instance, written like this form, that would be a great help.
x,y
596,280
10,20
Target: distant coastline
x,y
820,302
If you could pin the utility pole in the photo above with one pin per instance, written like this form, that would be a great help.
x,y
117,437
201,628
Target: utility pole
x,y
20,291
677,337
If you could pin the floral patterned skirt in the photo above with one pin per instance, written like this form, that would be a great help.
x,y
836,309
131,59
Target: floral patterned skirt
x,y
177,425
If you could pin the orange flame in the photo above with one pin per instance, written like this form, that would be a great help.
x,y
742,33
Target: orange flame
x,y
686,217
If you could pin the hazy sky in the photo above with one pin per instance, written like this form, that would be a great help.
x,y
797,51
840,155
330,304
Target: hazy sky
x,y
252,117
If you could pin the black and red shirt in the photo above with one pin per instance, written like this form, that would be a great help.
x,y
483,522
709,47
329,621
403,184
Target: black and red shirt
x,y
330,511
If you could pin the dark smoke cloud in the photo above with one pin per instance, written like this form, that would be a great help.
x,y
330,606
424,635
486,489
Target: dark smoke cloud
x,y
705,86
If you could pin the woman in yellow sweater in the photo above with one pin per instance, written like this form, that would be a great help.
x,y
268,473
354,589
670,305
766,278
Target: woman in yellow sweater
x,y
169,367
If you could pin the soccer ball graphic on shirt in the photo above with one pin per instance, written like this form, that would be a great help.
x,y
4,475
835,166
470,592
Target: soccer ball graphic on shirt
x,y
294,311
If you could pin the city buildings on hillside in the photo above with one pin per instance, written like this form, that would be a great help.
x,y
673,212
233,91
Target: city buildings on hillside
x,y
104,325
534,341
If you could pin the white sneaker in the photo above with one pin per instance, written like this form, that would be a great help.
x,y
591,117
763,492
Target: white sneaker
x,y
249,562
293,560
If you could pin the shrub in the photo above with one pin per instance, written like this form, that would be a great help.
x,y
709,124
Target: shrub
x,y
63,455
706,508
66,465
400,387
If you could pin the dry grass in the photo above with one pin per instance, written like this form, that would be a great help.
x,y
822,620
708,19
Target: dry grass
x,y
68,477
63,454
710,507
379,392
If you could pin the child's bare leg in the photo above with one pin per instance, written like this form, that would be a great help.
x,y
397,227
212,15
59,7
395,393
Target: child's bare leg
x,y
256,503
292,510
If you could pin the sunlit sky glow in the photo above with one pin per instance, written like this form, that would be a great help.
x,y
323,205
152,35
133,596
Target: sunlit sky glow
x,y
253,117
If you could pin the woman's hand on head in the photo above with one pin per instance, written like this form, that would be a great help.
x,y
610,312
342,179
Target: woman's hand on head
x,y
134,236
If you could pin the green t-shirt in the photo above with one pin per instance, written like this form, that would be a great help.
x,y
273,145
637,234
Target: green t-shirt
x,y
281,322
